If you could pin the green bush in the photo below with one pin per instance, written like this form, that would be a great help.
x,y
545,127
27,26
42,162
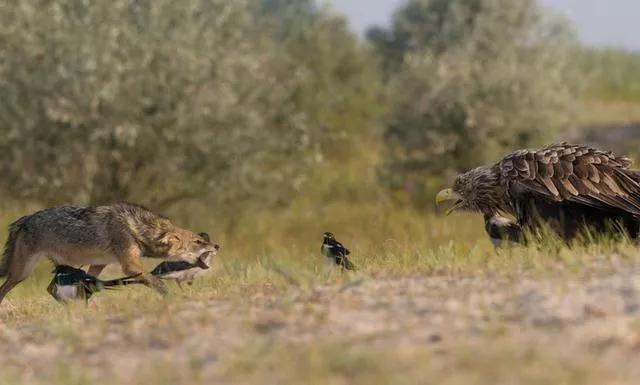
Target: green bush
x,y
469,81
614,74
160,102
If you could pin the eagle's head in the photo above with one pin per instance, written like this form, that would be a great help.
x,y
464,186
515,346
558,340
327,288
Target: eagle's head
x,y
476,190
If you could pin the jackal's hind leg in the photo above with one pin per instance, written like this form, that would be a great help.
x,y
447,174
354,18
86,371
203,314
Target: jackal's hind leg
x,y
6,287
20,267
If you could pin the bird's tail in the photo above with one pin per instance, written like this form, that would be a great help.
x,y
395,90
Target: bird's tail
x,y
347,264
130,280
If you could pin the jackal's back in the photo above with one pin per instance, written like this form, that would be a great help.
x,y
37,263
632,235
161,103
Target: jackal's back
x,y
101,235
99,230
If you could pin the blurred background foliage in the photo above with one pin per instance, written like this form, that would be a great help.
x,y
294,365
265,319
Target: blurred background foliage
x,y
470,80
241,114
233,104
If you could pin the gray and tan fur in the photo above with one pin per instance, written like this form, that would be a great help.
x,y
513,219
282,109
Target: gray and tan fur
x,y
97,236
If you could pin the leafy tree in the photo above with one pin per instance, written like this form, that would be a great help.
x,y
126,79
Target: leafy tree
x,y
469,81
161,102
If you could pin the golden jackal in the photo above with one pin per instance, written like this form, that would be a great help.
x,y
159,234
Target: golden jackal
x,y
98,236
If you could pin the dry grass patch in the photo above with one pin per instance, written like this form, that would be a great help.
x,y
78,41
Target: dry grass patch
x,y
431,300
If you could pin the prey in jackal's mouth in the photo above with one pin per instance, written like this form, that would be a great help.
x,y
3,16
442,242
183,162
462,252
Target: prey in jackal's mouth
x,y
181,271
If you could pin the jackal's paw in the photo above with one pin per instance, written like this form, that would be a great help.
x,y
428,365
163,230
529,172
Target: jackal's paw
x,y
158,286
154,283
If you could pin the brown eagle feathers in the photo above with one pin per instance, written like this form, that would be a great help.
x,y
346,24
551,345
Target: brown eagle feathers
x,y
575,173
567,186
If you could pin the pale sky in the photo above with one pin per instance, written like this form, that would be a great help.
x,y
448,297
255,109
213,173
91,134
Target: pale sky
x,y
598,22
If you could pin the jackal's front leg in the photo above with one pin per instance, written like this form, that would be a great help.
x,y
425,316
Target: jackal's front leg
x,y
146,278
132,265
153,282
95,270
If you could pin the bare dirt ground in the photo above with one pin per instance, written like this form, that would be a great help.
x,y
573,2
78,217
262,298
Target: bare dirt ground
x,y
454,329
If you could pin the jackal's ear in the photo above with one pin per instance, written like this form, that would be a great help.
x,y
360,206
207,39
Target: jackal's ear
x,y
168,239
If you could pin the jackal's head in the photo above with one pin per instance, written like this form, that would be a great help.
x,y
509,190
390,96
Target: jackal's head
x,y
185,245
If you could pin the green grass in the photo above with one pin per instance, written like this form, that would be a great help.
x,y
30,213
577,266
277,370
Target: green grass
x,y
611,74
611,81
423,306
279,253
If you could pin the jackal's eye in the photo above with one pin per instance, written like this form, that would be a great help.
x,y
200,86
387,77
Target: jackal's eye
x,y
200,242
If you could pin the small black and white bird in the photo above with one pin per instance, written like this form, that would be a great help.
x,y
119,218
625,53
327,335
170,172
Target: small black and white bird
x,y
503,231
70,283
182,271
335,252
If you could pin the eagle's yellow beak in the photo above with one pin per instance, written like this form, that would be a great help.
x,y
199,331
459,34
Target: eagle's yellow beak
x,y
449,195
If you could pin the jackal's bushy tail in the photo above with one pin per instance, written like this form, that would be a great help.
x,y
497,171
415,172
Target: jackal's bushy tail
x,y
10,245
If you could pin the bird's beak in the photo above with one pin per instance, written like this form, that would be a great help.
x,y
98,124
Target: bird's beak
x,y
449,195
